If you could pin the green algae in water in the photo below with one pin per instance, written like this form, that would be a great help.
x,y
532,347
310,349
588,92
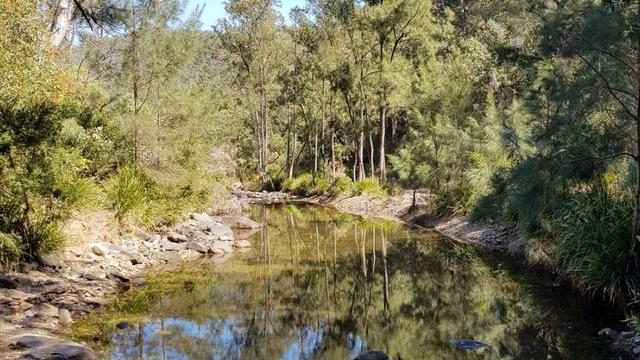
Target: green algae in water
x,y
323,285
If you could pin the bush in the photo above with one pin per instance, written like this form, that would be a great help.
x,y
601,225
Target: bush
x,y
341,185
320,186
368,187
592,243
126,193
299,185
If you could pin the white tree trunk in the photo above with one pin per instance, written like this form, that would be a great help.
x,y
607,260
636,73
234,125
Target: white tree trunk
x,y
61,21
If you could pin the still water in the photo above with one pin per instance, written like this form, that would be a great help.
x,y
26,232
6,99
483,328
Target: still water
x,y
319,284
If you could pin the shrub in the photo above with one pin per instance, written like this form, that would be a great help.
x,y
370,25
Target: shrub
x,y
299,185
126,192
341,185
592,242
320,186
368,187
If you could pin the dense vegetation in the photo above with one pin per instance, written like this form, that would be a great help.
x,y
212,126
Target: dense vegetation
x,y
514,110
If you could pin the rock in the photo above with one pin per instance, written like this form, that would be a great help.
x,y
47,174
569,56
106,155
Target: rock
x,y
240,222
50,260
120,276
201,217
46,309
7,282
608,333
140,282
141,234
242,244
372,355
99,249
220,230
172,256
23,280
175,237
134,257
170,246
198,247
41,347
636,350
64,317
220,247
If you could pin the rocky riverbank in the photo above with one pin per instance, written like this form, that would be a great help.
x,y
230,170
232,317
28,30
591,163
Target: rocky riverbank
x,y
39,301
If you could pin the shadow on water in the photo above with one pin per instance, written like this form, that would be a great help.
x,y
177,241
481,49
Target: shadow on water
x,y
323,285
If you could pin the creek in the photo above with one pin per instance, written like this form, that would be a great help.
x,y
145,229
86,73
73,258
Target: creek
x,y
319,284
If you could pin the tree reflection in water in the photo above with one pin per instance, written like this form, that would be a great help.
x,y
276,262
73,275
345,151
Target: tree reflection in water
x,y
322,285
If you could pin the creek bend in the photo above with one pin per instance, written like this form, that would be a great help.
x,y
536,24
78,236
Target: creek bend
x,y
319,284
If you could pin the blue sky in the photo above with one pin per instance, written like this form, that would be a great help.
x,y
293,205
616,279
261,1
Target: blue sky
x,y
214,9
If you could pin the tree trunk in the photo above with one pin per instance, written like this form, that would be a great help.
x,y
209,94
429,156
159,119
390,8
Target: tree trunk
x,y
61,20
382,162
372,156
135,85
636,199
361,173
289,153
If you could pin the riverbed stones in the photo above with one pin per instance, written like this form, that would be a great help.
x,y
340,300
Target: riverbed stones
x,y
140,282
241,244
240,222
7,282
41,347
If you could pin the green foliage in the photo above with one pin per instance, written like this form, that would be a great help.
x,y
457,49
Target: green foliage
x,y
592,244
300,185
368,187
341,185
126,193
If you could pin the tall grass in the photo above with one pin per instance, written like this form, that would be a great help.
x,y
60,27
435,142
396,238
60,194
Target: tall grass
x,y
126,193
592,243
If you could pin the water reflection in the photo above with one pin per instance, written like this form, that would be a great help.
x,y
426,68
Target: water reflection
x,y
322,285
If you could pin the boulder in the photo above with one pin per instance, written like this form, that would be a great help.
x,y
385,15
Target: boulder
x,y
64,317
169,246
197,247
242,244
172,256
240,222
201,217
175,237
7,282
220,247
220,230
41,347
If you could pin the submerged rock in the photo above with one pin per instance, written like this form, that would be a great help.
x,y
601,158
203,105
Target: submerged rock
x,y
468,344
372,355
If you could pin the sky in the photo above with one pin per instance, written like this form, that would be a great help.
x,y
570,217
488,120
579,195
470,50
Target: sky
x,y
214,9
